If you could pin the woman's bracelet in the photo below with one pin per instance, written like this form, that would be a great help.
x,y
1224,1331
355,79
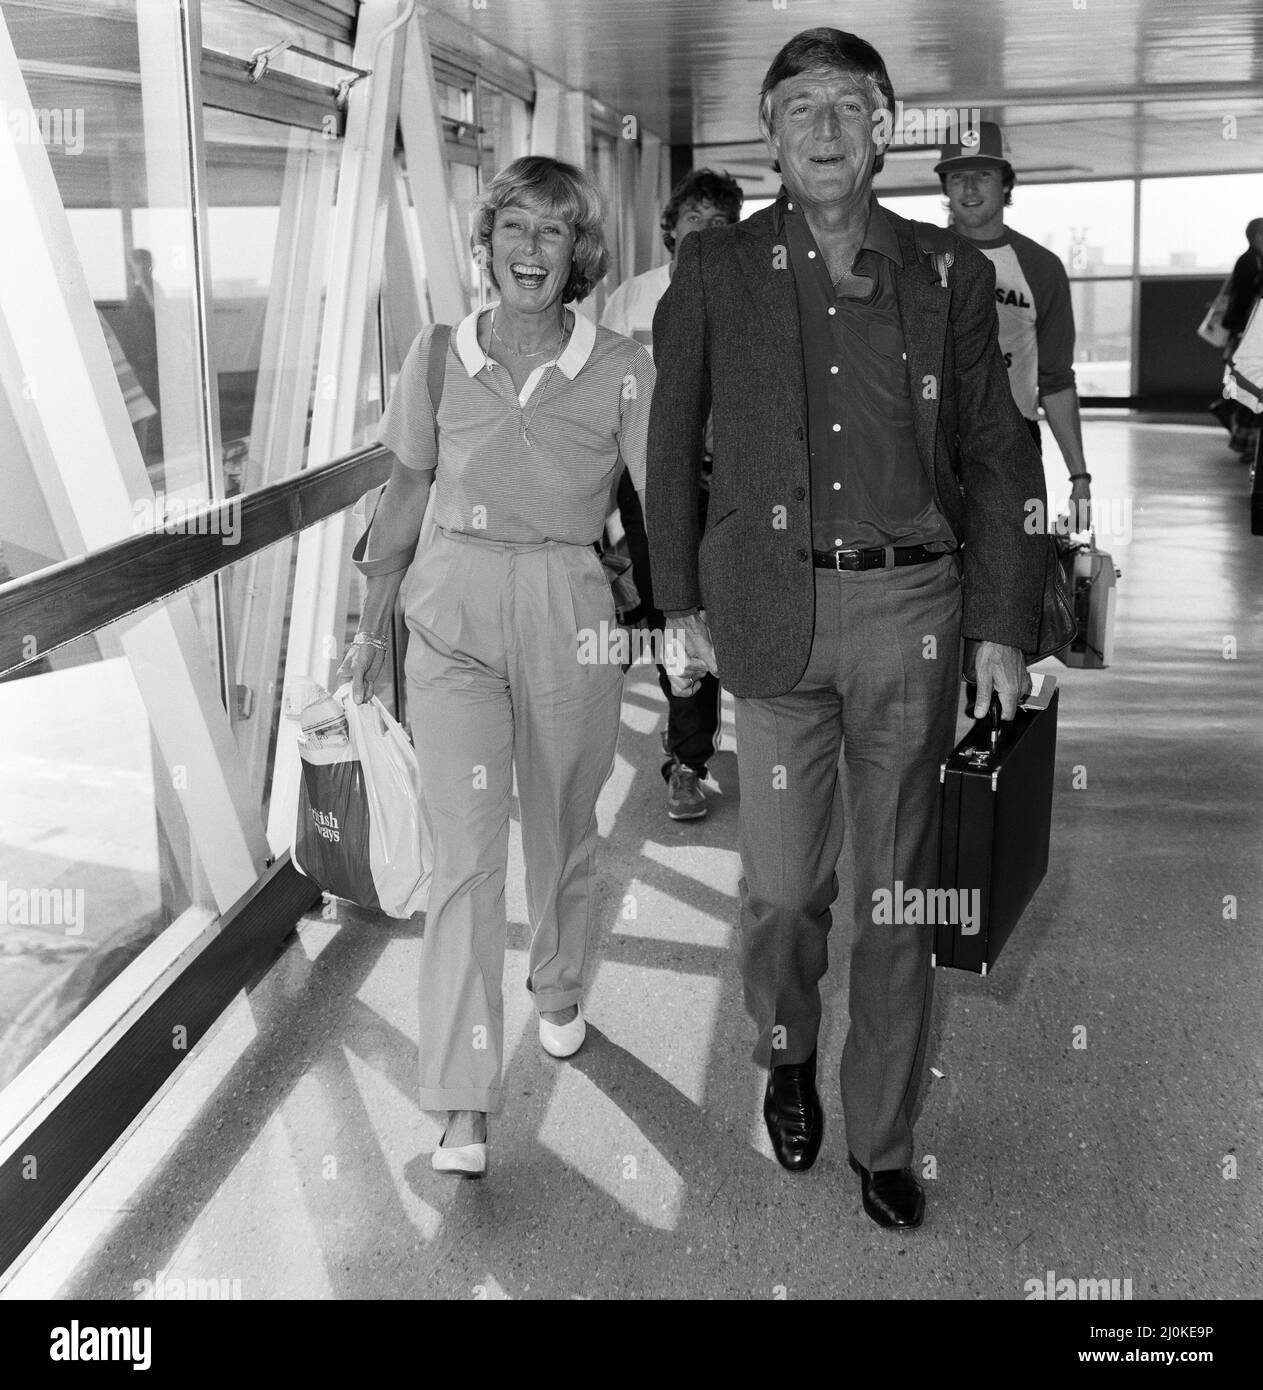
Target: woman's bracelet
x,y
1074,477
369,639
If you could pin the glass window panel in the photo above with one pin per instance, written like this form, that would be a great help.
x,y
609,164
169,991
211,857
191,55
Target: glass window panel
x,y
269,186
462,187
76,33
238,27
455,96
927,207
505,124
98,234
270,214
1088,226
1102,344
603,167
120,165
1196,226
96,856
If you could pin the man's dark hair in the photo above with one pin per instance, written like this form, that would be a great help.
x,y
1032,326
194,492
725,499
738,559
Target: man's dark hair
x,y
1252,227
700,186
1007,175
814,49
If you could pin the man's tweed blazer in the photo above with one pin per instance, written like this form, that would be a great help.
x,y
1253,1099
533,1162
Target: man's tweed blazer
x,y
726,339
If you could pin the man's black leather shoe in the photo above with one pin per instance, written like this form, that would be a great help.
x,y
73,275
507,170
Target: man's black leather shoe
x,y
892,1196
794,1115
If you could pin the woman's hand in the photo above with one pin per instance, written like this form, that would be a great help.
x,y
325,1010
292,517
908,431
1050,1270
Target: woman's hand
x,y
362,664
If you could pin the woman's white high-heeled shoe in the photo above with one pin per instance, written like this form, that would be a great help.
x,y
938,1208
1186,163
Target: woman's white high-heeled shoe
x,y
468,1160
563,1039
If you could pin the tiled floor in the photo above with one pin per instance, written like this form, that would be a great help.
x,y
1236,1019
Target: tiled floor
x,y
290,1159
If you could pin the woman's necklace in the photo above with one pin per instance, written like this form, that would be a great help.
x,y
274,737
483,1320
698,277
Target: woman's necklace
x,y
518,351
543,386
539,396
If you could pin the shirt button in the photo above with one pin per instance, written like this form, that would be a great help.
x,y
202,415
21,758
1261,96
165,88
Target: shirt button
x,y
837,429
832,310
811,255
834,371
802,554
837,540
790,206
799,493
837,487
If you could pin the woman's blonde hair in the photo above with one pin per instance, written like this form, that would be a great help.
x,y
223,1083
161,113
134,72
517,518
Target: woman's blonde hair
x,y
558,189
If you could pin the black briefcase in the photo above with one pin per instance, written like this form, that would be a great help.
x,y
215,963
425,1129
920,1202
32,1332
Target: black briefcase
x,y
997,813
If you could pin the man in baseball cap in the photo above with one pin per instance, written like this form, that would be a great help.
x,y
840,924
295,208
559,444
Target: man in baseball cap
x,y
1036,321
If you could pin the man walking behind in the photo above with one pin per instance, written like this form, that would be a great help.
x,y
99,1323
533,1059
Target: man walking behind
x,y
1032,293
702,199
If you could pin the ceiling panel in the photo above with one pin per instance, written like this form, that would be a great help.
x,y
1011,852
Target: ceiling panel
x,y
1106,90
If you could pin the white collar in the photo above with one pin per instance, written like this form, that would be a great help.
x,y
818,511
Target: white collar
x,y
578,349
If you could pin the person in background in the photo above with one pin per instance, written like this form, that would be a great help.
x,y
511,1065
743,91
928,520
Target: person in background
x,y
540,409
1032,300
702,199
1245,288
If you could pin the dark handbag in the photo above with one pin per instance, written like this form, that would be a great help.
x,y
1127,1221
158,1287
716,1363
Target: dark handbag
x,y
1057,624
618,570
997,788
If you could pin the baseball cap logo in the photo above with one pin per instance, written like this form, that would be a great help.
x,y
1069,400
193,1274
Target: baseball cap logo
x,y
969,138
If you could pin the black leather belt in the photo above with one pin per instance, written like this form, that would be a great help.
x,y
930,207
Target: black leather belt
x,y
874,558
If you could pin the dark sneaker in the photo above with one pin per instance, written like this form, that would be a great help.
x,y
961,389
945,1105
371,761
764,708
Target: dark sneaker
x,y
685,798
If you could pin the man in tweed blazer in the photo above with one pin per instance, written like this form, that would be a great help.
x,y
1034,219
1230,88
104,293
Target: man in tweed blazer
x,y
870,482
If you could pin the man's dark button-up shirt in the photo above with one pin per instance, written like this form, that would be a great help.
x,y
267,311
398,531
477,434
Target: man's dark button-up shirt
x,y
868,486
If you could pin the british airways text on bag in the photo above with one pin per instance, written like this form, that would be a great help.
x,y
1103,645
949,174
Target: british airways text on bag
x,y
362,833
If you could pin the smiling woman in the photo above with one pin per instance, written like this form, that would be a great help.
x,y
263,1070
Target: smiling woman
x,y
545,194
540,412
539,235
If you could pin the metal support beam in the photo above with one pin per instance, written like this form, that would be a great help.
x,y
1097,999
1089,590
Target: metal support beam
x,y
422,136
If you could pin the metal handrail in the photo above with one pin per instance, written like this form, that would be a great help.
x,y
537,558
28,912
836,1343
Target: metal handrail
x,y
59,604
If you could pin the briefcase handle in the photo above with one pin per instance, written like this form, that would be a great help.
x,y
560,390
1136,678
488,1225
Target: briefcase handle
x,y
1041,692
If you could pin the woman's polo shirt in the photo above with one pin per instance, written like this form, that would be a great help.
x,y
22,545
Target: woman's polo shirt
x,y
586,414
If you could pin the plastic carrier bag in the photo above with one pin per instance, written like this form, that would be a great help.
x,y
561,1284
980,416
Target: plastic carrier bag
x,y
362,832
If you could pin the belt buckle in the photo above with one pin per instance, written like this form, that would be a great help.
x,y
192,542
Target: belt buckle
x,y
837,560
